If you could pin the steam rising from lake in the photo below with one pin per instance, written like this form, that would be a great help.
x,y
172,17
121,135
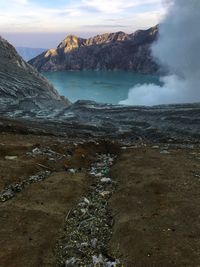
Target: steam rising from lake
x,y
178,51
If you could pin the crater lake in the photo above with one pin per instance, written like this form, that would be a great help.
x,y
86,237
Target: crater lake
x,y
101,86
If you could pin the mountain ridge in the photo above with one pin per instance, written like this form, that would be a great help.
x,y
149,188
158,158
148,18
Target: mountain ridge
x,y
109,51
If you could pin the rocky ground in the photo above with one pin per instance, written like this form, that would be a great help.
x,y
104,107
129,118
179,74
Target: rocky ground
x,y
88,119
82,200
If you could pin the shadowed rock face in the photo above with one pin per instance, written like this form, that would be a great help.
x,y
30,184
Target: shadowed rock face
x,y
21,85
114,51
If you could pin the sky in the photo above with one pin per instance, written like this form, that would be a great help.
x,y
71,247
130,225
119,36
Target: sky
x,y
44,23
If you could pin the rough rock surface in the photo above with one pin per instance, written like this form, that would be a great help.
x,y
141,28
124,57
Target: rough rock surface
x,y
112,51
21,87
126,123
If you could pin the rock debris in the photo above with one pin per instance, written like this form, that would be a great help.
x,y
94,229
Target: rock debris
x,y
88,227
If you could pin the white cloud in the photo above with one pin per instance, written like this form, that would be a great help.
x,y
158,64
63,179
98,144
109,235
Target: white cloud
x,y
27,16
19,2
116,6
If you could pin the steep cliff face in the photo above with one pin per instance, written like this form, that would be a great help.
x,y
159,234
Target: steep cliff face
x,y
103,52
21,86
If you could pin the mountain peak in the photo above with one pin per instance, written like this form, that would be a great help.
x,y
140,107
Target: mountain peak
x,y
70,42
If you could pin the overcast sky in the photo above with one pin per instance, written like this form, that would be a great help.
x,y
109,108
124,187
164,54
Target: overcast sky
x,y
44,23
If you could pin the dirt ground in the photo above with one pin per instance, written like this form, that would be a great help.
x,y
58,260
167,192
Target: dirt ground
x,y
30,222
156,207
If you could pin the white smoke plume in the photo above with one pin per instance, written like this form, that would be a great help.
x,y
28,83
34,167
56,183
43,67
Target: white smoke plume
x,y
178,50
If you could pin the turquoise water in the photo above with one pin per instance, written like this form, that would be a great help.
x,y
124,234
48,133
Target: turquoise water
x,y
101,86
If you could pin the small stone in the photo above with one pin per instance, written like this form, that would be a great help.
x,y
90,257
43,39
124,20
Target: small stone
x,y
97,260
99,174
100,165
11,157
72,171
105,193
8,194
71,262
84,211
106,180
155,147
86,200
164,152
112,263
94,242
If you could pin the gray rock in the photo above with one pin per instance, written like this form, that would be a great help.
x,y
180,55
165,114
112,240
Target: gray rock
x,y
106,180
11,157
21,87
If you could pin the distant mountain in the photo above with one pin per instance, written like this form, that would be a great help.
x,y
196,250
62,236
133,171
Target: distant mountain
x,y
21,86
110,51
28,53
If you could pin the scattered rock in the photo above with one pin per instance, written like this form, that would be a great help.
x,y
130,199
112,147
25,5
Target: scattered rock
x,y
11,157
88,228
70,263
45,152
164,152
106,180
72,171
86,201
99,174
105,193
13,189
155,147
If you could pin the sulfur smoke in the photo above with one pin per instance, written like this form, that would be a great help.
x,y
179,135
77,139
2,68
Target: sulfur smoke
x,y
178,51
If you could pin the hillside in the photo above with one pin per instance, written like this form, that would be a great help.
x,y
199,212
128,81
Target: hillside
x,y
111,51
22,87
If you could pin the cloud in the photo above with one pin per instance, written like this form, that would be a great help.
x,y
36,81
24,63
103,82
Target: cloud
x,y
33,16
19,2
106,26
116,6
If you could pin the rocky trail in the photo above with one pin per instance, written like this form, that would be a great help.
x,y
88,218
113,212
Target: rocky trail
x,y
88,227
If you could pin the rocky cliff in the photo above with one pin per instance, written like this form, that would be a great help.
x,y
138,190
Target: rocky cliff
x,y
112,51
22,87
